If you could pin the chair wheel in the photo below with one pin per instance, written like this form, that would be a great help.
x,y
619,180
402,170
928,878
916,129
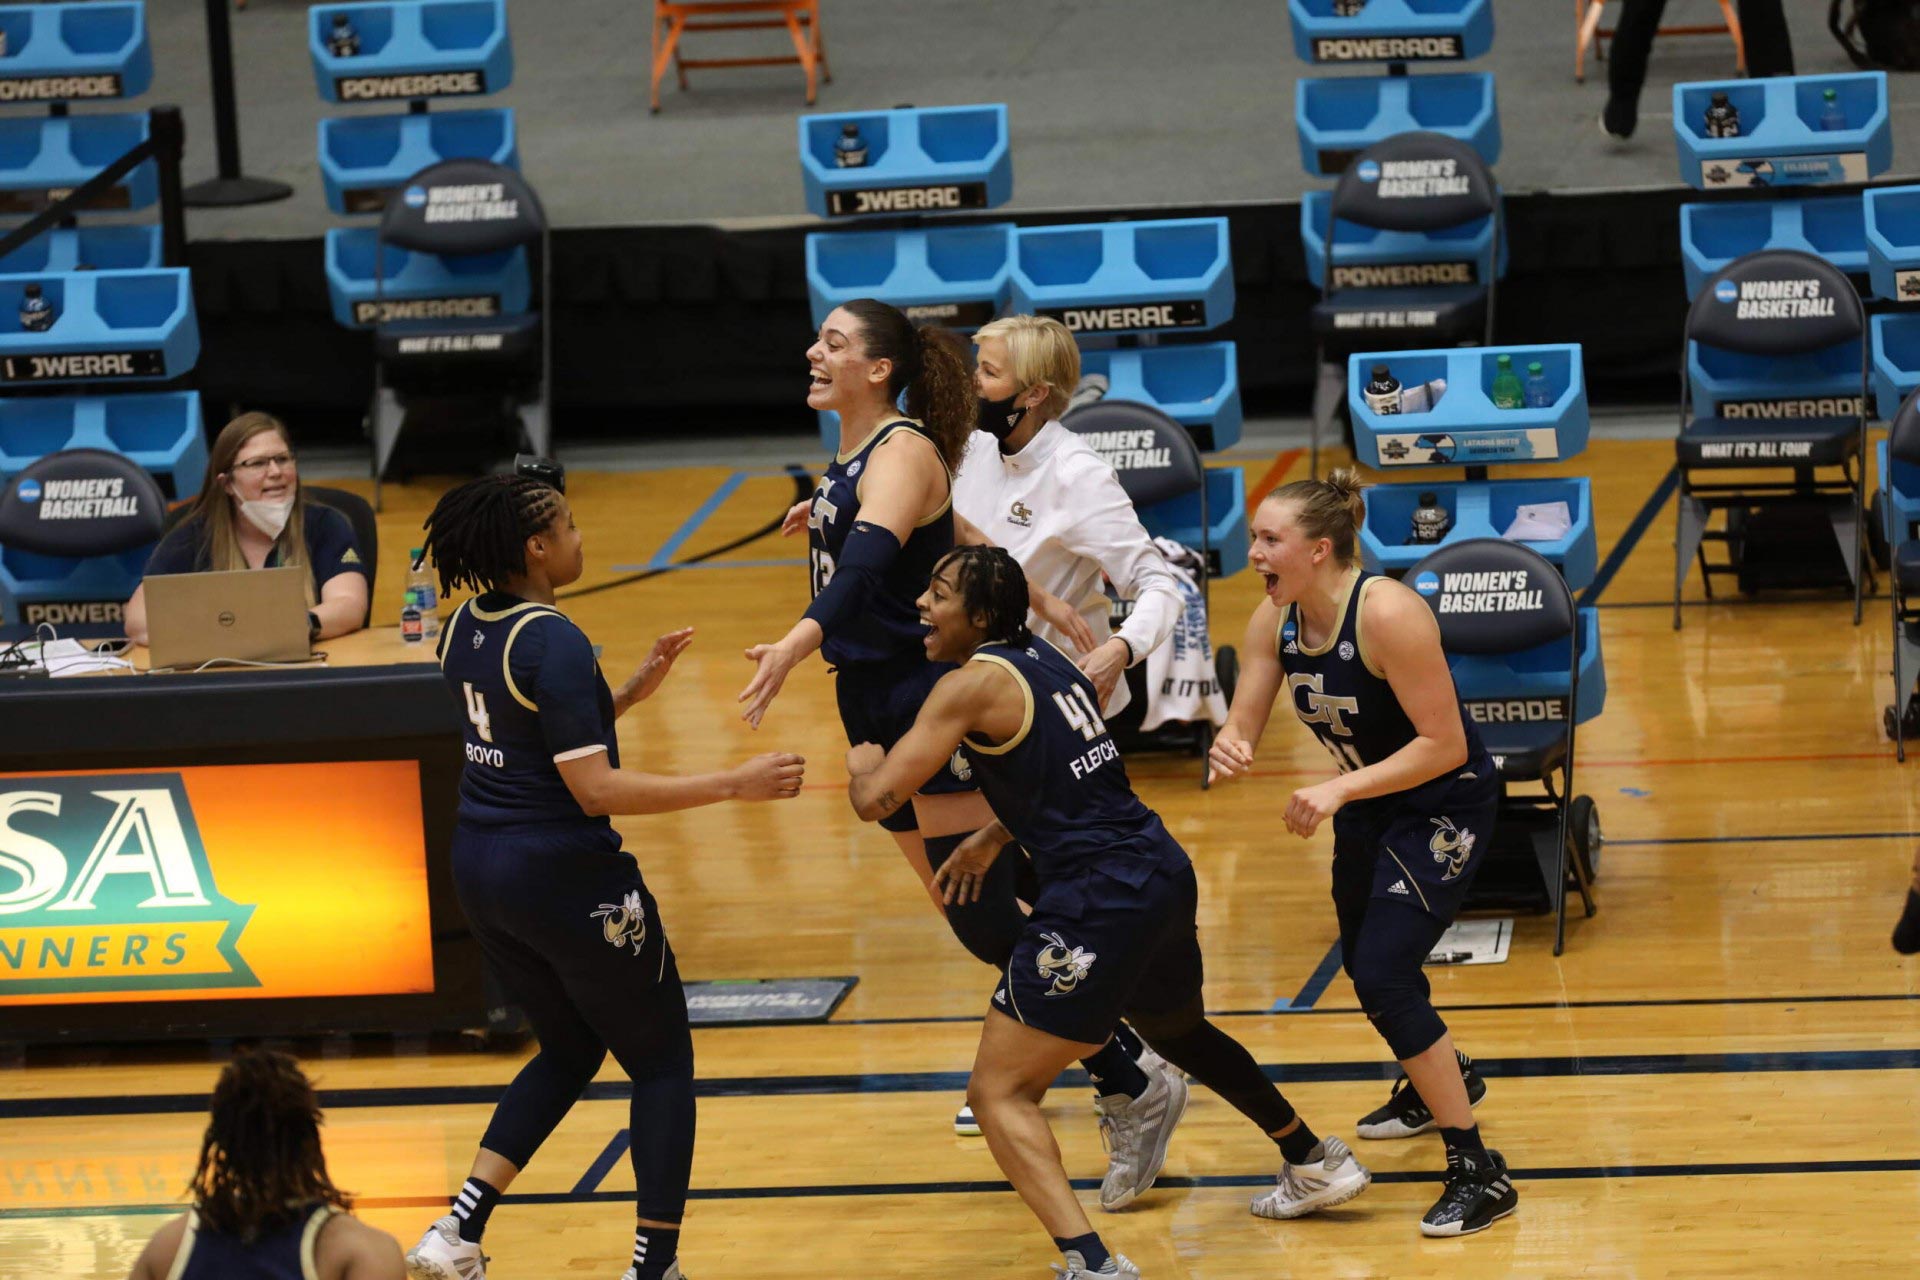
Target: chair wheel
x,y
1226,669
1583,825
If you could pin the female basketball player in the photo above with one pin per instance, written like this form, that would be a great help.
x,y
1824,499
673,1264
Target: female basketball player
x,y
1112,929
263,1204
1412,803
560,910
882,516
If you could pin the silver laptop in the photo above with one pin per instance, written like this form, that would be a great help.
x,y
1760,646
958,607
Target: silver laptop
x,y
250,615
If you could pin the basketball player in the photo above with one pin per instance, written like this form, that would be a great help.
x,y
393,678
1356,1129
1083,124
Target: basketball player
x,y
1906,934
883,514
1412,804
263,1205
1112,929
560,910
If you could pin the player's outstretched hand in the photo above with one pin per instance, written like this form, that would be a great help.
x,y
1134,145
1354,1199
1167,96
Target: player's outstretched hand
x,y
1311,806
796,518
773,662
777,775
1229,758
654,670
1062,617
965,870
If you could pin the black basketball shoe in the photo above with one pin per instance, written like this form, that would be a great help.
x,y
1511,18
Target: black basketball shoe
x,y
1404,1114
1478,1194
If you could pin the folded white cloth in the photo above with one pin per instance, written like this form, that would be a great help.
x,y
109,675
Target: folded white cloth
x,y
1539,522
1182,684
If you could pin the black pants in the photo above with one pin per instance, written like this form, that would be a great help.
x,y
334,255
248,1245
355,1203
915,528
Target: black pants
x,y
1763,28
572,933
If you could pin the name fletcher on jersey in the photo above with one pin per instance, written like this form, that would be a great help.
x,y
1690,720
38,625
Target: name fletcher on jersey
x,y
1099,754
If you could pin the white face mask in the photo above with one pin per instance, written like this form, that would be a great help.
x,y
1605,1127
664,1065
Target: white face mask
x,y
268,517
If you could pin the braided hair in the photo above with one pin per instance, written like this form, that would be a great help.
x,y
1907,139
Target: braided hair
x,y
477,533
260,1163
991,585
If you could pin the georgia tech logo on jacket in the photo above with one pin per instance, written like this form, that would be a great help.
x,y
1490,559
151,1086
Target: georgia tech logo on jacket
x,y
105,886
1020,515
1451,847
624,922
1065,964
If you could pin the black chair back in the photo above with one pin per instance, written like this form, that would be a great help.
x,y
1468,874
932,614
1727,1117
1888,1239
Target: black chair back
x,y
1903,435
1776,302
1492,596
80,503
464,206
1152,455
1414,182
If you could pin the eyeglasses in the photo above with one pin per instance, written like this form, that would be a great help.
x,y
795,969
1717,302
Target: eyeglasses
x,y
254,466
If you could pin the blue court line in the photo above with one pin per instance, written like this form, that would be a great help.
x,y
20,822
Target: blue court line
x,y
955,1081
1655,1003
706,564
1316,987
1550,1173
603,1163
671,547
1630,539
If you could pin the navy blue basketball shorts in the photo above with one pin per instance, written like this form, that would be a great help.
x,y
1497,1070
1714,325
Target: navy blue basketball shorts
x,y
878,703
574,936
1421,847
1096,950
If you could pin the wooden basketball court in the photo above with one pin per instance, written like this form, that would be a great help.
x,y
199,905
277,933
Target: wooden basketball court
x,y
1717,1078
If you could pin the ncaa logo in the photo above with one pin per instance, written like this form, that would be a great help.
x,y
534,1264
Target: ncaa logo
x,y
415,197
1368,171
29,490
1427,583
1726,291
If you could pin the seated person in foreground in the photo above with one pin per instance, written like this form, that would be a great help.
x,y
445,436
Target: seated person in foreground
x,y
251,514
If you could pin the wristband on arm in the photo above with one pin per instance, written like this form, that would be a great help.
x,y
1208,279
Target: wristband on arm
x,y
866,555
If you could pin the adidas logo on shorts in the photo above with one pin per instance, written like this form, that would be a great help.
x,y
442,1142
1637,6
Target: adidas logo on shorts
x,y
1399,887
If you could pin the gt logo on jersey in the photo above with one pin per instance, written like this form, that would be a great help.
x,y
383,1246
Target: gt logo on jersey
x,y
1066,965
624,923
1319,708
1451,847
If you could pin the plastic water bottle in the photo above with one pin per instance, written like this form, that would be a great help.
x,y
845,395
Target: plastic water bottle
x,y
850,149
1506,390
1348,8
343,41
1383,392
421,595
36,313
1430,520
1538,394
1723,118
1832,118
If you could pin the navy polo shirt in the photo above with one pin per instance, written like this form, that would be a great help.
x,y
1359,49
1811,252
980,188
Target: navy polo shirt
x,y
330,548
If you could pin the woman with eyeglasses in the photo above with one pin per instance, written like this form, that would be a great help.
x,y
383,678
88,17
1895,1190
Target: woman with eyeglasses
x,y
251,514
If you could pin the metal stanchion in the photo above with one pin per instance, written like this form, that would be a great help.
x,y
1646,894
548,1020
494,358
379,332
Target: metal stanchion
x,y
230,186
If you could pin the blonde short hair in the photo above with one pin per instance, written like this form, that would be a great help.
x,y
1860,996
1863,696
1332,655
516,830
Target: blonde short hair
x,y
1040,350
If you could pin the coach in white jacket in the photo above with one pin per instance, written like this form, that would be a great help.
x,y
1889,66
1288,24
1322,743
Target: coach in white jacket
x,y
1028,484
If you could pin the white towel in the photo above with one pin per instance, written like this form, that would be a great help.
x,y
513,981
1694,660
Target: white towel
x,y
1181,682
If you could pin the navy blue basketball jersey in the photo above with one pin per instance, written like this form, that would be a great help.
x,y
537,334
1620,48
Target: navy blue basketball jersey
x,y
1059,785
531,695
286,1253
890,625
1339,694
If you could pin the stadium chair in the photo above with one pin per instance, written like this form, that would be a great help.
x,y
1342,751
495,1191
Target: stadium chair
x,y
1517,670
801,18
1900,508
1149,487
475,371
1453,189
1741,345
366,530
75,558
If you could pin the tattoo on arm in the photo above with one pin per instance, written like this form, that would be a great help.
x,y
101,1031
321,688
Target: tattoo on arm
x,y
887,803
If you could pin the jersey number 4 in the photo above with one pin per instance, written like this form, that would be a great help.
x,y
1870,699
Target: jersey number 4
x,y
1080,712
477,712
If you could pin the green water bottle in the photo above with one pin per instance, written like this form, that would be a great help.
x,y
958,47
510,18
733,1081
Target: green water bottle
x,y
1507,392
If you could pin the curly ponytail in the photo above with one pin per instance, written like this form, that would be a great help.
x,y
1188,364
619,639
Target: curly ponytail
x,y
929,365
942,396
1332,509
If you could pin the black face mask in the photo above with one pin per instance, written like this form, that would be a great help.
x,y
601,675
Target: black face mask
x,y
998,418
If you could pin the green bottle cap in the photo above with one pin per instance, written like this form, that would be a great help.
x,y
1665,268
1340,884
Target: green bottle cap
x,y
1534,368
1505,362
1829,94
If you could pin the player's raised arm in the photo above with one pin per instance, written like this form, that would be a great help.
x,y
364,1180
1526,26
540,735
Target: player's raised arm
x,y
882,781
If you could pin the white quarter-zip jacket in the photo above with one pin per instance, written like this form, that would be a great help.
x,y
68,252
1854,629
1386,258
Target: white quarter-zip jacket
x,y
1059,509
